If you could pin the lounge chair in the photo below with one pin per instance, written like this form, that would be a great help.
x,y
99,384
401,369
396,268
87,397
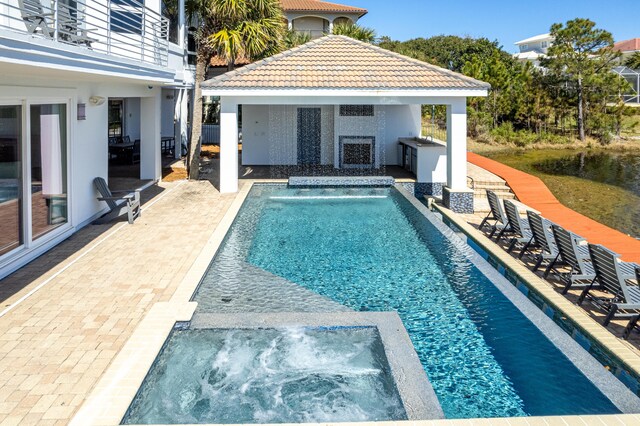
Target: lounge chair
x,y
496,214
575,253
129,202
633,322
518,227
615,277
544,241
35,18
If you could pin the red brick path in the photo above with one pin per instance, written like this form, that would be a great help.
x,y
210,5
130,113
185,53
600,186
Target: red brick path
x,y
533,192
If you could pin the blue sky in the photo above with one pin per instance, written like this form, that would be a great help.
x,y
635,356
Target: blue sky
x,y
505,20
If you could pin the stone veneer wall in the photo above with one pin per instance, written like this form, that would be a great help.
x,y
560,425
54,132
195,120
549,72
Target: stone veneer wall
x,y
459,202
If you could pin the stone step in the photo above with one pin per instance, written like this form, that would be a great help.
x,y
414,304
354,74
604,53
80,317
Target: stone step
x,y
481,182
480,193
493,186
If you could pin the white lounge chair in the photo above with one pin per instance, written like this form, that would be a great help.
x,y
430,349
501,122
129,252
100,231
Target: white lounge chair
x,y
128,203
617,278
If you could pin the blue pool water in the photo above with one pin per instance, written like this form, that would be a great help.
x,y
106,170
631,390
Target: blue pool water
x,y
369,249
290,375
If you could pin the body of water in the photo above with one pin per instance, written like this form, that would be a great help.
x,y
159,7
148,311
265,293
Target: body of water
x,y
604,186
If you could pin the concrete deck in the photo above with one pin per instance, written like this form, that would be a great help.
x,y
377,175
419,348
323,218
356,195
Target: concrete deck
x,y
68,313
66,317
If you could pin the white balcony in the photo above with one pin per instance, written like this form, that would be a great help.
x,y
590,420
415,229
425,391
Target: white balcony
x,y
122,28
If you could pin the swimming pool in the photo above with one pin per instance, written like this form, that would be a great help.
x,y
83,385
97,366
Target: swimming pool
x,y
369,249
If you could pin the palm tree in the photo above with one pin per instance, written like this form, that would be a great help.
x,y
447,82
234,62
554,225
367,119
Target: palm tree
x,y
355,31
229,28
294,38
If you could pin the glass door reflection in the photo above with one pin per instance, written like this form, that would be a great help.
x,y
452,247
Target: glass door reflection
x,y
11,235
48,168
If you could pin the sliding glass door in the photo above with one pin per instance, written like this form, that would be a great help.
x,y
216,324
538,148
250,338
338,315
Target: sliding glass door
x,y
11,209
48,168
33,172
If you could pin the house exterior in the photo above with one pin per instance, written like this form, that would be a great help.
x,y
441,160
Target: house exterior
x,y
72,74
627,47
533,48
341,103
316,17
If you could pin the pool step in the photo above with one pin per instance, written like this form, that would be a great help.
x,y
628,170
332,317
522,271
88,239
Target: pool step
x,y
341,181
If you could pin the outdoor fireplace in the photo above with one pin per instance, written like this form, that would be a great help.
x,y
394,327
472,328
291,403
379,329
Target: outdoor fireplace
x,y
357,152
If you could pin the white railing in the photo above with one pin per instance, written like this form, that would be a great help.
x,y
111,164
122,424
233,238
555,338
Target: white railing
x,y
124,28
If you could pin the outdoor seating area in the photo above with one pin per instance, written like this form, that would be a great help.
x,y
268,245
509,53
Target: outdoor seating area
x,y
611,285
123,151
119,202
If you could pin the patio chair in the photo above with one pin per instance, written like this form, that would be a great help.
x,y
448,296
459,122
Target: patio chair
x,y
615,277
496,214
544,241
35,18
71,25
129,202
135,153
518,227
574,252
633,322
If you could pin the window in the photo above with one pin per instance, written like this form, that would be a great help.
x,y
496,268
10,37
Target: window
x,y
11,206
524,47
116,117
48,168
356,111
33,172
126,16
544,44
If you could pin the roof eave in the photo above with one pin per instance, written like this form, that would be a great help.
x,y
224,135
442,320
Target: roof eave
x,y
265,93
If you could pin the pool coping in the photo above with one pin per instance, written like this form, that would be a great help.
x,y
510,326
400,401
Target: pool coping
x,y
110,398
415,390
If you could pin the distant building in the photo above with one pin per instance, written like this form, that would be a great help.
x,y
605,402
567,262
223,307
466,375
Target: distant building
x,y
627,47
533,48
316,17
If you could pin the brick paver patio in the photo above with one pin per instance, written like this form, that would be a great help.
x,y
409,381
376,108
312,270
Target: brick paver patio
x,y
98,285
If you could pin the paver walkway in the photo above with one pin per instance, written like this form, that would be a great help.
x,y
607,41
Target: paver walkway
x,y
531,191
102,281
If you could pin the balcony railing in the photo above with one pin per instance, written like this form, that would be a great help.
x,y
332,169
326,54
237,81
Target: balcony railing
x,y
124,28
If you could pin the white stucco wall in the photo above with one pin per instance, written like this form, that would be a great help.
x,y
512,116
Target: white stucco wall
x,y
269,132
132,118
87,139
167,100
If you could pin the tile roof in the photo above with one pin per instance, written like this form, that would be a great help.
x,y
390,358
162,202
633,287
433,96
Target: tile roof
x,y
218,61
628,45
318,6
339,62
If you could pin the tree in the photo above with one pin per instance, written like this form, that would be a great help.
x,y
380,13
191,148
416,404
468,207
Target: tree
x,y
368,35
450,52
229,28
633,61
294,38
582,56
